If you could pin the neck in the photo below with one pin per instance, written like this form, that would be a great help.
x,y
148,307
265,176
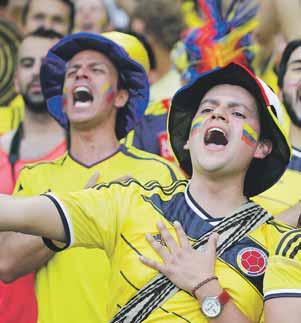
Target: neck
x,y
295,136
219,197
40,125
90,146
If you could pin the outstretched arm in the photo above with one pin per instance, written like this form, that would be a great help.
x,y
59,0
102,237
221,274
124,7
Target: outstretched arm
x,y
35,215
281,310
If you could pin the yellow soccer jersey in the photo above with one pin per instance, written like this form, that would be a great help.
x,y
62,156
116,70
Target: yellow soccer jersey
x,y
12,115
117,216
283,276
282,195
73,286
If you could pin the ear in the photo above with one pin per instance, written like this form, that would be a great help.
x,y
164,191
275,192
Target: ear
x,y
121,98
264,148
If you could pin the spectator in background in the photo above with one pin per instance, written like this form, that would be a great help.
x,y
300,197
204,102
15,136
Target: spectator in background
x,y
285,195
278,23
38,137
282,283
105,93
128,6
91,16
161,22
57,15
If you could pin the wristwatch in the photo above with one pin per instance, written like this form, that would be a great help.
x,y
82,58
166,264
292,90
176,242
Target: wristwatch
x,y
212,305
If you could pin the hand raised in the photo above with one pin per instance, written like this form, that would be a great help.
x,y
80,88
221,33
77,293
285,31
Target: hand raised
x,y
182,264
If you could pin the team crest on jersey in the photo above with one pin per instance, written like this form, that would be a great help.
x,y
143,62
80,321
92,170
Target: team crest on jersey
x,y
252,261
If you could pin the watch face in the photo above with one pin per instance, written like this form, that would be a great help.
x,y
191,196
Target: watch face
x,y
211,307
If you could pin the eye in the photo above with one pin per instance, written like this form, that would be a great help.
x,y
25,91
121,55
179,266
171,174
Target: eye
x,y
98,70
206,110
71,73
239,114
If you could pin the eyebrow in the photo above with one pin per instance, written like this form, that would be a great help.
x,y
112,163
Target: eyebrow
x,y
295,61
92,64
229,104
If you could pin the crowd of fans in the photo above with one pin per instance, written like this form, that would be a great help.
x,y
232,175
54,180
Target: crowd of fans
x,y
178,124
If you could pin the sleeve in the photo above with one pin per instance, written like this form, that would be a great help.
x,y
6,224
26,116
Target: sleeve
x,y
282,277
92,218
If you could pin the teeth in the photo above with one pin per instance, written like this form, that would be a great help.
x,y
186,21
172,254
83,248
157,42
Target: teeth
x,y
217,129
82,89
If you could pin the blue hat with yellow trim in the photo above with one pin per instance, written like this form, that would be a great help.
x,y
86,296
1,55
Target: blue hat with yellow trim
x,y
132,74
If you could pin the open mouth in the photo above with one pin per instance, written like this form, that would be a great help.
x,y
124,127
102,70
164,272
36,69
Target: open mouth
x,y
215,136
82,97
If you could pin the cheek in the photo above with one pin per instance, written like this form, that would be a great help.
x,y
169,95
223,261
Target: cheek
x,y
65,96
196,126
107,91
249,135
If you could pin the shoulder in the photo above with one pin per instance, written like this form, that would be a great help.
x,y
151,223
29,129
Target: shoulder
x,y
289,245
154,161
43,166
132,184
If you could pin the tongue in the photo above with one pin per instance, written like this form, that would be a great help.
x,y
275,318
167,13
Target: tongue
x,y
83,96
216,137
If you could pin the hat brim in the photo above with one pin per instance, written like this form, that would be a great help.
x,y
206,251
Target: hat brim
x,y
262,173
132,74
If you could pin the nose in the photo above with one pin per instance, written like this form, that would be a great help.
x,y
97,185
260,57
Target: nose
x,y
81,73
219,114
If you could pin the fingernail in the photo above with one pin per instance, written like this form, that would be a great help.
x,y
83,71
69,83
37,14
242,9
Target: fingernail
x,y
177,223
160,225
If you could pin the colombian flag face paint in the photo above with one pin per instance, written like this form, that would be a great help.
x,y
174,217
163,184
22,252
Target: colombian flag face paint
x,y
196,125
107,90
249,135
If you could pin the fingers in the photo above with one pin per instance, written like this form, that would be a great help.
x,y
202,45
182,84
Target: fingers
x,y
182,238
162,251
167,237
93,180
212,243
152,264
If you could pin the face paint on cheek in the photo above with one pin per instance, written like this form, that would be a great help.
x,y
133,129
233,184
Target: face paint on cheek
x,y
65,99
249,135
108,92
196,126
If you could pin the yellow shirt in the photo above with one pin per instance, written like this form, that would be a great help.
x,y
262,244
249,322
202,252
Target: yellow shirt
x,y
282,195
12,115
116,217
283,275
73,286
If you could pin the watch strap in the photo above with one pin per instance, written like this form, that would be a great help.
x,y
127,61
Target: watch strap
x,y
224,297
